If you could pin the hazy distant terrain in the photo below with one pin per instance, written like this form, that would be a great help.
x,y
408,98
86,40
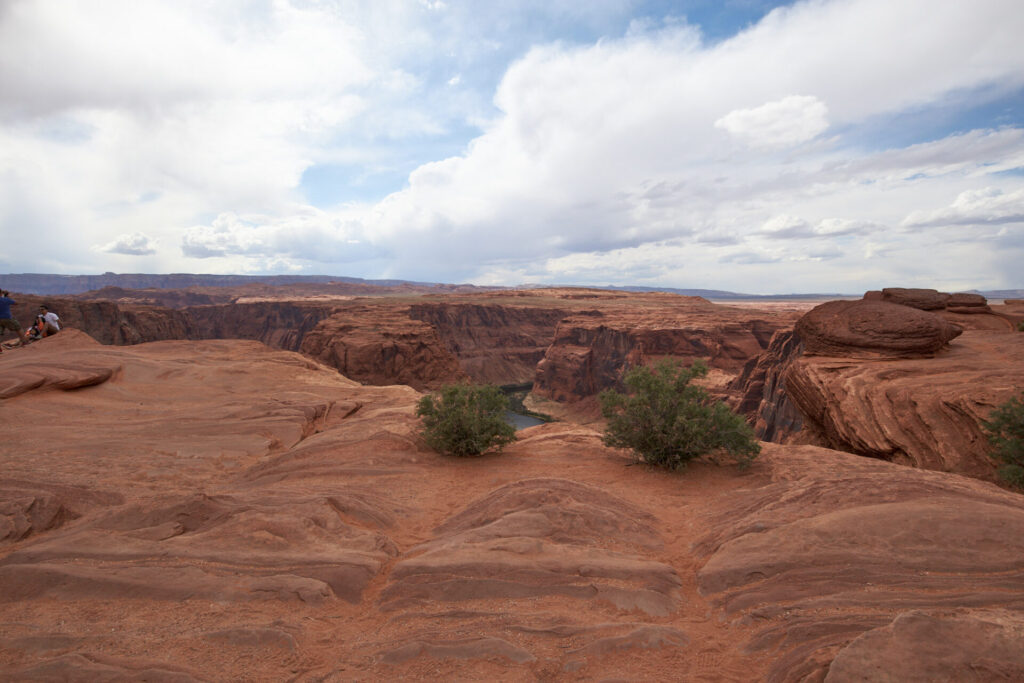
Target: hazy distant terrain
x,y
44,283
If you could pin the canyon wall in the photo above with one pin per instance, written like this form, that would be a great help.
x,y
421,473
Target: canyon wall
x,y
572,344
591,349
109,323
382,346
278,324
888,381
495,344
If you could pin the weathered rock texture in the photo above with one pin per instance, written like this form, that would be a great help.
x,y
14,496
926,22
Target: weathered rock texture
x,y
279,324
592,349
217,510
110,323
497,344
382,346
860,569
872,329
885,381
968,310
574,343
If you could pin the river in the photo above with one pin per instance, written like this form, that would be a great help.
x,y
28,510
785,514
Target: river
x,y
521,421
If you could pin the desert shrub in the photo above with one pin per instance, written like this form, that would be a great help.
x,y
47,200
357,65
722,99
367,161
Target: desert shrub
x,y
465,419
1020,326
1005,429
669,421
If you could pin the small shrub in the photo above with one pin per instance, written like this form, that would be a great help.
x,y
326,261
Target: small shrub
x,y
1020,326
1005,429
668,421
465,419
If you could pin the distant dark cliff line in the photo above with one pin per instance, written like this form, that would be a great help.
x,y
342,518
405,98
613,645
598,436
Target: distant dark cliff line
x,y
48,284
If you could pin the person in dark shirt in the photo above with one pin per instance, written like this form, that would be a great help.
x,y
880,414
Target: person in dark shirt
x,y
7,321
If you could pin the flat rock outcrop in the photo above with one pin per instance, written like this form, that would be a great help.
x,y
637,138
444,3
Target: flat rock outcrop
x,y
915,645
218,510
922,299
841,555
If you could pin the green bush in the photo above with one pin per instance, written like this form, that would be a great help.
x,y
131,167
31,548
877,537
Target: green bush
x,y
668,421
1020,327
1005,429
465,419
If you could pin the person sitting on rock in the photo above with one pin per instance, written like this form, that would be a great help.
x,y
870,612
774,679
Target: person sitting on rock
x,y
35,330
7,321
51,322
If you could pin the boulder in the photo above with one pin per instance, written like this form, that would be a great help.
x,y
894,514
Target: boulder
x,y
923,299
873,329
966,300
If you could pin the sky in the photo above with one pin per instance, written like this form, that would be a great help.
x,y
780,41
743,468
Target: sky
x,y
744,145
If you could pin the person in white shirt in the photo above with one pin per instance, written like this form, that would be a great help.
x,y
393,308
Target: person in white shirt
x,y
51,322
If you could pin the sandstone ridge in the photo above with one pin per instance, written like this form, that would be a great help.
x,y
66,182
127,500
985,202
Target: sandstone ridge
x,y
888,381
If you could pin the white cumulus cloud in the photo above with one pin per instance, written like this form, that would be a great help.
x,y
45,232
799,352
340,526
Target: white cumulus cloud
x,y
782,123
650,153
135,244
989,205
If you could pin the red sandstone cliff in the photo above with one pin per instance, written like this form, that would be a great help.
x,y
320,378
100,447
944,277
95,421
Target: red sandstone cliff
x,y
496,344
109,323
383,346
278,324
592,349
887,381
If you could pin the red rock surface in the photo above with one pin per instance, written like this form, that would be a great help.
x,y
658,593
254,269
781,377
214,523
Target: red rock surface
x,y
922,412
836,559
377,345
495,343
923,299
217,510
873,329
915,645
592,349
279,324
885,381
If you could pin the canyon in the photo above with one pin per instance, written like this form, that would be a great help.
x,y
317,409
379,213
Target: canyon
x,y
233,488
901,375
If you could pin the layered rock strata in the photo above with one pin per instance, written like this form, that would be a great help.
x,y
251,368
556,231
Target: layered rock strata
x,y
376,345
885,381
851,566
870,329
495,344
592,349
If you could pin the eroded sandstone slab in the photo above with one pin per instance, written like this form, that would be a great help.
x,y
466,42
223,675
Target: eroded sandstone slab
x,y
222,511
